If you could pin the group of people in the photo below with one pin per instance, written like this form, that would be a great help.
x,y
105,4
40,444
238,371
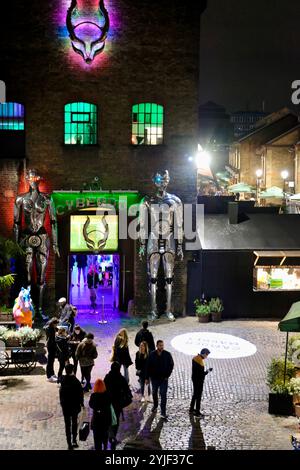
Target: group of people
x,y
154,366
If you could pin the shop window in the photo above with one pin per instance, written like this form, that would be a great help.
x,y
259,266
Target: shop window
x,y
80,124
11,117
147,124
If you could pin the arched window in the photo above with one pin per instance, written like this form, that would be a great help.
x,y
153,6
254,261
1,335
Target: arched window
x,y
11,117
80,124
147,124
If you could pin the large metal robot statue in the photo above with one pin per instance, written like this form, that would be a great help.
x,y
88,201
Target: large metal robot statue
x,y
164,211
33,238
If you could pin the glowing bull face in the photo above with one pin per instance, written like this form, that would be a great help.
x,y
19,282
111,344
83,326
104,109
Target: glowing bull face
x,y
88,28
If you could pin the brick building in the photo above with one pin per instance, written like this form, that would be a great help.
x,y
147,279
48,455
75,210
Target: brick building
x,y
130,112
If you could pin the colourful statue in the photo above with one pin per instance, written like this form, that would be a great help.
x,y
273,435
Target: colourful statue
x,y
23,310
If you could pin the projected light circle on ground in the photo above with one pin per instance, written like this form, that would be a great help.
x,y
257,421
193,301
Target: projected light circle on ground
x,y
221,346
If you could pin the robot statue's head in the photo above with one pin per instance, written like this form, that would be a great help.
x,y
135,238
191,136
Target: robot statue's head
x,y
33,178
161,181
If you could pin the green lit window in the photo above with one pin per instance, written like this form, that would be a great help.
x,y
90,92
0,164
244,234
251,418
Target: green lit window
x,y
147,124
80,124
11,117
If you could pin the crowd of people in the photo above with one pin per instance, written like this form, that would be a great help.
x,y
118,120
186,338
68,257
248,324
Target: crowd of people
x,y
154,366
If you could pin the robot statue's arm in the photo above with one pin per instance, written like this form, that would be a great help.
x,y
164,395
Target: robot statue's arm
x,y
17,218
143,222
178,226
53,222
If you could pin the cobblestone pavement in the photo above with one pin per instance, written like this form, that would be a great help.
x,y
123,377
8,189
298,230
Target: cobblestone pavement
x,y
235,400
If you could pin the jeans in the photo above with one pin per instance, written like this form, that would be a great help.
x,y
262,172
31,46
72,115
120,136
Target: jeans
x,y
162,386
86,372
50,363
197,394
71,421
142,383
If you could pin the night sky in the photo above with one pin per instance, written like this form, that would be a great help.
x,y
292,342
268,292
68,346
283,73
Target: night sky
x,y
250,52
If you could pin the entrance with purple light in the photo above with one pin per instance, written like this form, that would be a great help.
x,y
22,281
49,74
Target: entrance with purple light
x,y
91,300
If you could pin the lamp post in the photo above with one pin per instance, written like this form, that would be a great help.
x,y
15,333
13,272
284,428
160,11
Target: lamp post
x,y
259,174
284,176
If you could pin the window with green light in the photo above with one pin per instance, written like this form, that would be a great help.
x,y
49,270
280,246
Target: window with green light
x,y
147,124
11,117
80,124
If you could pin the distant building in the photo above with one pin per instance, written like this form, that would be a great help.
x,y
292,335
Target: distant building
x,y
244,122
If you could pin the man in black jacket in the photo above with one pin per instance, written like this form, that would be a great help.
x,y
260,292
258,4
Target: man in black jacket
x,y
71,400
50,330
198,376
145,335
159,368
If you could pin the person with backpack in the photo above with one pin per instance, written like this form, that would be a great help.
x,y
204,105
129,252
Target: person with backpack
x,y
86,352
145,335
71,400
120,352
63,350
51,329
102,415
141,360
120,395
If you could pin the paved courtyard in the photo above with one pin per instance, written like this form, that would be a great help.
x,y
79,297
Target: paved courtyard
x,y
235,397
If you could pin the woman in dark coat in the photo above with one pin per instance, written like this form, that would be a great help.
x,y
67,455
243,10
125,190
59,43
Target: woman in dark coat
x,y
118,390
121,352
141,360
100,403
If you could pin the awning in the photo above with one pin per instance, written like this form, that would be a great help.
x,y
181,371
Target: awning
x,y
276,254
291,322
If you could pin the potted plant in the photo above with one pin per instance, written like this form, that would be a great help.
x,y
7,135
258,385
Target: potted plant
x,y
11,339
216,309
280,396
202,311
28,336
3,331
294,388
294,352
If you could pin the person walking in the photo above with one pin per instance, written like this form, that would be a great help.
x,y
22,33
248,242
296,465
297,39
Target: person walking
x,y
101,405
198,376
141,360
120,352
120,395
86,352
145,335
76,337
63,350
71,400
51,329
159,368
93,283
81,267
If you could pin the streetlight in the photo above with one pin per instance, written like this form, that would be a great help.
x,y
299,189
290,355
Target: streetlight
x,y
259,174
284,176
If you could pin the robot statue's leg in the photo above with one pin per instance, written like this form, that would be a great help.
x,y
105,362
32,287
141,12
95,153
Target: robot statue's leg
x,y
29,264
168,263
41,265
153,266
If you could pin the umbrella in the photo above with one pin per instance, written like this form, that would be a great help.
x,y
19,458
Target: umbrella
x,y
240,188
273,192
290,323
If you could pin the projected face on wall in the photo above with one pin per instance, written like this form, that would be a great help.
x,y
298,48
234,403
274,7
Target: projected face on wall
x,y
94,233
87,24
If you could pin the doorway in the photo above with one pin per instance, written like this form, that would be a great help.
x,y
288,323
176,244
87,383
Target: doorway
x,y
94,282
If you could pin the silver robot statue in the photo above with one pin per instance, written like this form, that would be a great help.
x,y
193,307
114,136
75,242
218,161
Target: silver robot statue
x,y
163,240
33,237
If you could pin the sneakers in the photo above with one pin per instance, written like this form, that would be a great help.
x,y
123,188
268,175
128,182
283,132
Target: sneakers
x,y
165,417
75,445
143,399
154,410
198,414
52,379
171,317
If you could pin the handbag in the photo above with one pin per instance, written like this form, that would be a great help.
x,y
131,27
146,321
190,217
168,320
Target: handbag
x,y
114,420
84,429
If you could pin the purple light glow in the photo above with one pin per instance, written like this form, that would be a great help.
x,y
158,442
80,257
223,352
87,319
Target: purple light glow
x,y
73,59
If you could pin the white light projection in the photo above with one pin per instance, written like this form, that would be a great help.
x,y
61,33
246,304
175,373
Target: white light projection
x,y
221,346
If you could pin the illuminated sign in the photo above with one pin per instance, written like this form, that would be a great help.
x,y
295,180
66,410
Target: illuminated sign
x,y
94,233
88,25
